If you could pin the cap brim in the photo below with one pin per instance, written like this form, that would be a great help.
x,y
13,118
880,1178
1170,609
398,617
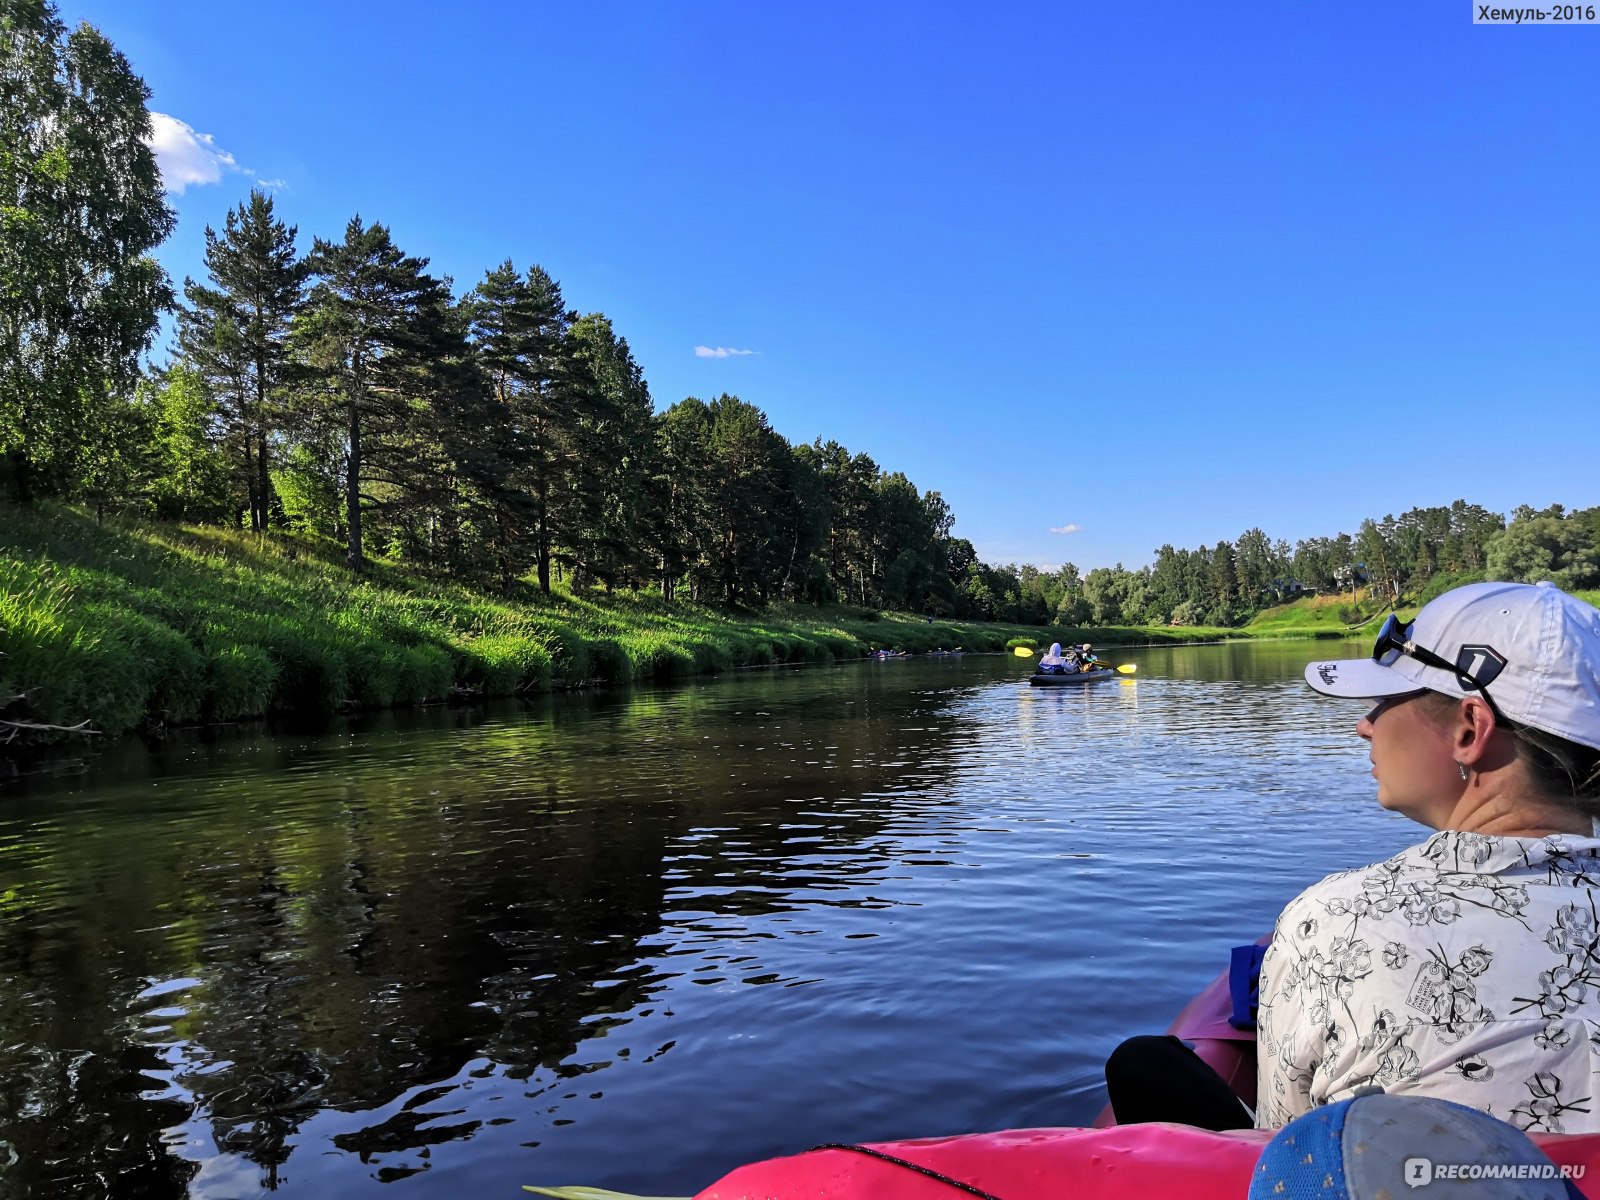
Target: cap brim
x,y
1357,679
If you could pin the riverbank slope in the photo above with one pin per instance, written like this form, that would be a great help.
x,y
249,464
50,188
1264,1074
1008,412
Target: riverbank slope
x,y
131,624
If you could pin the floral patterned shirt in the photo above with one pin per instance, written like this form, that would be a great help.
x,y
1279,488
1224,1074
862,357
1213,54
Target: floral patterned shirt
x,y
1466,968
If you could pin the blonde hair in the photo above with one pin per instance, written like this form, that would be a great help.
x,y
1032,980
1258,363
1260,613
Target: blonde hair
x,y
1564,770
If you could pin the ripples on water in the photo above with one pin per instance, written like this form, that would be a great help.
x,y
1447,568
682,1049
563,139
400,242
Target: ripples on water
x,y
635,941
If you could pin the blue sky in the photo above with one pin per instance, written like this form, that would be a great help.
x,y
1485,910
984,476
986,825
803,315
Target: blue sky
x,y
1158,271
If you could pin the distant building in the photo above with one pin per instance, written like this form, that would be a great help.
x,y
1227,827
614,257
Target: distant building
x,y
1290,589
1352,576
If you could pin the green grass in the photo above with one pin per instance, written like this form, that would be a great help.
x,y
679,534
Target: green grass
x,y
1318,617
1331,616
134,623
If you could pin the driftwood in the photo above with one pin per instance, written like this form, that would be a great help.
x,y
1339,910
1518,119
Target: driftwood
x,y
11,730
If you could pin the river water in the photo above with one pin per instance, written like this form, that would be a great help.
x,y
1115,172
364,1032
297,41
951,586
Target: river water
x,y
635,940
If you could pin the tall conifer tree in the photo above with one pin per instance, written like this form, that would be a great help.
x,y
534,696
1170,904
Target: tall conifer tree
x,y
431,460
609,450
519,327
235,333
680,487
370,320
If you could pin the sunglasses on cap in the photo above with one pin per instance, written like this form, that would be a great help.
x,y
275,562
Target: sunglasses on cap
x,y
1394,639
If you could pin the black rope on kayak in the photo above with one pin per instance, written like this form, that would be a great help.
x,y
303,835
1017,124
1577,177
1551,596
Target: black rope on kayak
x,y
917,1167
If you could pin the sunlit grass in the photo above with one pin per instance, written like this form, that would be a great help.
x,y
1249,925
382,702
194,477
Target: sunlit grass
x,y
1318,616
133,622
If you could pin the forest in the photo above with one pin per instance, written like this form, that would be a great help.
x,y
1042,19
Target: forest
x,y
1391,560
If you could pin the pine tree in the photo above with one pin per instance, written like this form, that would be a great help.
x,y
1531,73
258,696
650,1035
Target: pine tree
x,y
680,486
609,451
1223,583
747,466
804,523
368,327
850,483
476,439
519,327
419,482
235,333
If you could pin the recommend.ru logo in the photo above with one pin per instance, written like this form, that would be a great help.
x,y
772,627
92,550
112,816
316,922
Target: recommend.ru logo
x,y
1419,1172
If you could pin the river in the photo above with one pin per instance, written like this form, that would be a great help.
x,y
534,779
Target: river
x,y
634,940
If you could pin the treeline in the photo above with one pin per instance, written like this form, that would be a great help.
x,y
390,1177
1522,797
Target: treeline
x,y
486,438
1412,556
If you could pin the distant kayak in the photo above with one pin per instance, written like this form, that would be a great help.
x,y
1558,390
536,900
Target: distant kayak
x,y
1072,677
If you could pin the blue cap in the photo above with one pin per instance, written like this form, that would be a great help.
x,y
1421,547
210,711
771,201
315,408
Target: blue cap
x,y
1412,1147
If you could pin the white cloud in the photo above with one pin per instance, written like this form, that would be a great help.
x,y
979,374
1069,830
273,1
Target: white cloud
x,y
719,352
1068,529
187,156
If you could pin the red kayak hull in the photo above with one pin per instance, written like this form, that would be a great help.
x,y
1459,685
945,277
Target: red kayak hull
x,y
1124,1162
1107,1162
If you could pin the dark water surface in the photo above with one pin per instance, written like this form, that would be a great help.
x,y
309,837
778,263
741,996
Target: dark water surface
x,y
635,940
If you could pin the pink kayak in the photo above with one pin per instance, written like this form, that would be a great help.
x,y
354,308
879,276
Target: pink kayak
x,y
1107,1162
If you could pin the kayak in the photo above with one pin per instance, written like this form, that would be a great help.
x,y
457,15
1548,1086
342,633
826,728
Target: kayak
x,y
1038,680
1101,1163
1105,1162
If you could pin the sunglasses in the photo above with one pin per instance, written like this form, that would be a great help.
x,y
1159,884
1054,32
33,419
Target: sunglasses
x,y
1388,702
1394,639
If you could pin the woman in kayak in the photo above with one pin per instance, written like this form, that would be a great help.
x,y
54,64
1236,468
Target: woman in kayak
x,y
1467,967
1051,662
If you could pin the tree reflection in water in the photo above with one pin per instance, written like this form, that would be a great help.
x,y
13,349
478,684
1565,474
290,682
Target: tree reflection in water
x,y
364,924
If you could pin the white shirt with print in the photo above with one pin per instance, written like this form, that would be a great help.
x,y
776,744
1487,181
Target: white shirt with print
x,y
1466,968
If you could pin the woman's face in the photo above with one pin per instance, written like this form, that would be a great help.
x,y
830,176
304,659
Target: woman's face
x,y
1413,759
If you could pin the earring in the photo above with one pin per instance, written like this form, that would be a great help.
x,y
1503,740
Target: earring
x,y
1466,773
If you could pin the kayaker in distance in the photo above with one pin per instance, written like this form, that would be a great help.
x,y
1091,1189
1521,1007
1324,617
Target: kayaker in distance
x,y
1468,967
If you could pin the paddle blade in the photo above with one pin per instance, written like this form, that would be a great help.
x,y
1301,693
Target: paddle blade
x,y
587,1193
1127,668
1023,652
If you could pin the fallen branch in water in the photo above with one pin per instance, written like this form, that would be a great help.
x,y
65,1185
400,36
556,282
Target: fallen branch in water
x,y
11,730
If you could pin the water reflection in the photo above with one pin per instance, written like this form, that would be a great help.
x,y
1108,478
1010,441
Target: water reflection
x,y
473,948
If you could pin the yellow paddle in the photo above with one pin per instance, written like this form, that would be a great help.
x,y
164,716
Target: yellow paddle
x,y
1124,669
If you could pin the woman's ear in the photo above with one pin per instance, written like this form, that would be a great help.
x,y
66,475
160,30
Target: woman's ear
x,y
1473,727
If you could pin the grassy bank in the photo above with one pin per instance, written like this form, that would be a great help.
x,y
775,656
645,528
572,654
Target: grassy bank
x,y
131,624
137,624
1318,616
1337,616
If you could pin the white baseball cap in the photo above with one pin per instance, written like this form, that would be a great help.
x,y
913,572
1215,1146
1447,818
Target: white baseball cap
x,y
1534,648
